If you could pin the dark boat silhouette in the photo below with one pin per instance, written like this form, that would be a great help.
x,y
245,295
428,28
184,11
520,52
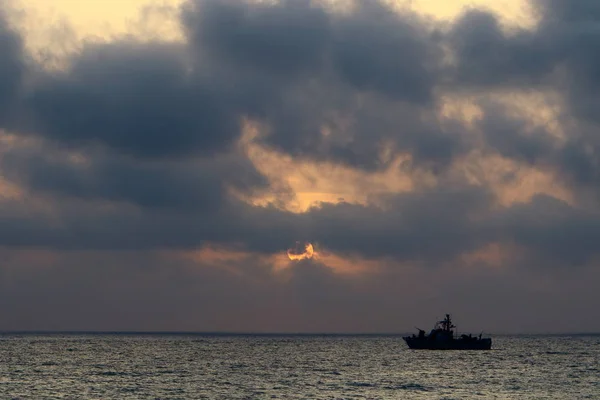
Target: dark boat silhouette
x,y
442,337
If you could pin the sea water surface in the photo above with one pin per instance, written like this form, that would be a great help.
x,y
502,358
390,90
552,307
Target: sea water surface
x,y
183,366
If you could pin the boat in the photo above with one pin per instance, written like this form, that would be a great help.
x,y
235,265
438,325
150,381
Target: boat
x,y
442,337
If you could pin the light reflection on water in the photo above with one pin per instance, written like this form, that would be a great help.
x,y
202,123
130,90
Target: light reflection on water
x,y
293,367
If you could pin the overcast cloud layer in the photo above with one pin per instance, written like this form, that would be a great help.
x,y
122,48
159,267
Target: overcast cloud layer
x,y
135,157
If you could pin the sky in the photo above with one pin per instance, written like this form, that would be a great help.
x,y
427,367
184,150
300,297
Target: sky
x,y
299,166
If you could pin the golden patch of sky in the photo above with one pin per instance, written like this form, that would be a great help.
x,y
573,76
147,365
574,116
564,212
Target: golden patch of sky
x,y
304,184
46,22
55,28
511,12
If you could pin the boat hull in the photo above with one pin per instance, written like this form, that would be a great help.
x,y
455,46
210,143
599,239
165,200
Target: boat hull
x,y
454,344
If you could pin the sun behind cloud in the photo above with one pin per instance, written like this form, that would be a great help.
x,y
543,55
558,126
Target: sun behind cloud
x,y
297,254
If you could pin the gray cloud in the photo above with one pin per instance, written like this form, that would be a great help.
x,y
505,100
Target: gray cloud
x,y
170,114
158,126
390,53
512,138
555,234
487,56
557,55
12,67
285,38
431,228
186,185
416,226
371,65
293,66
331,123
138,99
568,11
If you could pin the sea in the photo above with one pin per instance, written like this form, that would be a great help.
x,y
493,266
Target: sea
x,y
236,366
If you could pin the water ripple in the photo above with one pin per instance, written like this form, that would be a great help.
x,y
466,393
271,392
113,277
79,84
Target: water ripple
x,y
293,367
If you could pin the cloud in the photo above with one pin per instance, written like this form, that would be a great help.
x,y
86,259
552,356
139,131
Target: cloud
x,y
158,123
488,56
387,52
285,38
555,56
347,80
138,99
12,67
568,11
200,184
554,233
416,227
140,151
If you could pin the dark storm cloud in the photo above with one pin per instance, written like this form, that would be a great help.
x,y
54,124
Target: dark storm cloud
x,y
559,55
285,38
387,52
329,123
437,226
12,66
96,241
299,69
187,184
414,226
429,227
555,234
138,99
417,226
568,11
327,86
293,66
512,138
81,225
158,123
569,31
486,55
373,48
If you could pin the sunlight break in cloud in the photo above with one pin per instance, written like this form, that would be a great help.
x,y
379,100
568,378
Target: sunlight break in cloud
x,y
157,179
298,253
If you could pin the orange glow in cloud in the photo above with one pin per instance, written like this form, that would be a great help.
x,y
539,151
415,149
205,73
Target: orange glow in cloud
x,y
527,181
300,184
234,259
345,265
350,265
307,253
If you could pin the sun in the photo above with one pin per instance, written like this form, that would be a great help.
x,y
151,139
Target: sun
x,y
298,253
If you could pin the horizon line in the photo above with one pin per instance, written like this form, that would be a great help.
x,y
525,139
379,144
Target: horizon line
x,y
251,333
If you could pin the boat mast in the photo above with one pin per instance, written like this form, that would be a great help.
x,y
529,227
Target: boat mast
x,y
447,323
